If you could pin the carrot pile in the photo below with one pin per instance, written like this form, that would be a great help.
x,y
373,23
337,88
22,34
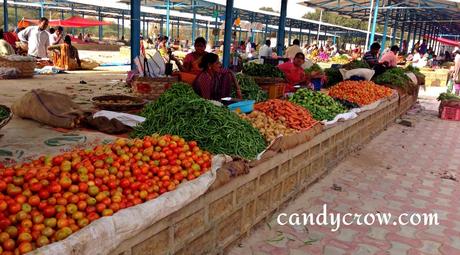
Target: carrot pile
x,y
359,92
295,116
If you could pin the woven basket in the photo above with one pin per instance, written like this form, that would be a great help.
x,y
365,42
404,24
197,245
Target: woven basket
x,y
5,121
104,103
26,68
152,88
267,80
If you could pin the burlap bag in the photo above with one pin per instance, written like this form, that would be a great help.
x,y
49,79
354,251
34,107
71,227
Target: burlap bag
x,y
47,107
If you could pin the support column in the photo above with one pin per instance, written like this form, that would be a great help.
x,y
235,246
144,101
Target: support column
x,y
281,26
5,15
368,26
73,14
178,30
168,10
216,26
385,29
83,29
207,31
62,14
395,28
228,32
403,27
290,32
319,27
101,31
123,24
135,30
16,20
118,28
415,33
143,25
266,29
374,23
253,33
309,33
194,21
161,26
301,35
42,8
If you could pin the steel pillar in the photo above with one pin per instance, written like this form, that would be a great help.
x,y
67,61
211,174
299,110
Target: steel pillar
x,y
135,30
101,31
5,15
168,13
194,21
374,23
228,32
385,30
281,26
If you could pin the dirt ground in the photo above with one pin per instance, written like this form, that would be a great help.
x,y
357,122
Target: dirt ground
x,y
24,139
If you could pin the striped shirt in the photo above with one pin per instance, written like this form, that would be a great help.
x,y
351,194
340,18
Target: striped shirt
x,y
371,59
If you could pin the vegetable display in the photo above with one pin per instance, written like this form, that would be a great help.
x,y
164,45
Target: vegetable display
x,y
359,92
48,199
264,70
314,68
267,126
340,59
355,64
448,97
181,112
249,89
333,77
321,106
347,104
295,116
395,78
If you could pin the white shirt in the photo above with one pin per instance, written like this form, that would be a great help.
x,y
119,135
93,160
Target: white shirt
x,y
292,51
37,40
54,39
265,51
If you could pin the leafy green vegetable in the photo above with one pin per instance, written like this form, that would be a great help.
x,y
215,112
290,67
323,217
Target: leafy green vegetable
x,y
321,106
356,64
249,89
314,68
179,111
3,113
448,97
416,71
333,77
395,77
264,70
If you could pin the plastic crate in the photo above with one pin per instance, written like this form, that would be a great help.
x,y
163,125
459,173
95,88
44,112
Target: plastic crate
x,y
450,113
274,91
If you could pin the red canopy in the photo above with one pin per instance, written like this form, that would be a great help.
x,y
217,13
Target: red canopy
x,y
72,22
444,40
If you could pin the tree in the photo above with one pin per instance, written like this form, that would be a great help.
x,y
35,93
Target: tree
x,y
268,9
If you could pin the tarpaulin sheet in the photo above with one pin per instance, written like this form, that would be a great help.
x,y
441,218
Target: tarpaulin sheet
x,y
74,21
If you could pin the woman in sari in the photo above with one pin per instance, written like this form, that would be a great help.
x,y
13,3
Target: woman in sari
x,y
65,55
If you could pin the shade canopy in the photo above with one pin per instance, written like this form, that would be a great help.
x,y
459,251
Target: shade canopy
x,y
74,21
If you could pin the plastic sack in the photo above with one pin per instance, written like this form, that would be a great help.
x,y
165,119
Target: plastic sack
x,y
125,118
360,72
109,232
9,73
412,77
341,117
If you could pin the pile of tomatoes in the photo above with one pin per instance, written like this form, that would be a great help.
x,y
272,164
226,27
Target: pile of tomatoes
x,y
50,198
359,92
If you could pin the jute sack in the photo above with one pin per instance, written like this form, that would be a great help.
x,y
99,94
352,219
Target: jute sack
x,y
48,107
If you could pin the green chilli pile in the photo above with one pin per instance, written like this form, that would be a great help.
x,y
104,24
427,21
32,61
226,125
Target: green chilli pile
x,y
249,89
321,106
179,111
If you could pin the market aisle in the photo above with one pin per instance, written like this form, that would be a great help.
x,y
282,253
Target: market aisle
x,y
400,171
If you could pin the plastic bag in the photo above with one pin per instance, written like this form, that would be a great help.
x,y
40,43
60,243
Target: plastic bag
x,y
360,72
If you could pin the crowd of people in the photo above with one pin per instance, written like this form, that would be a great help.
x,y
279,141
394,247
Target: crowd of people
x,y
43,43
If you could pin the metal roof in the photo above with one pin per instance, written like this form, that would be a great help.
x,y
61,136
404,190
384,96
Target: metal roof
x,y
444,13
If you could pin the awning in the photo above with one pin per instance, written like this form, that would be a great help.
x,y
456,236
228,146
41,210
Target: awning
x,y
444,41
74,21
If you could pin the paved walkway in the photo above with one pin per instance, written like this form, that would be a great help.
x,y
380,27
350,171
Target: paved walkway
x,y
400,171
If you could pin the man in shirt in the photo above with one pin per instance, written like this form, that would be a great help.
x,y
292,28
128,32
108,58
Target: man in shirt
x,y
294,72
293,49
265,50
390,59
37,38
371,57
56,37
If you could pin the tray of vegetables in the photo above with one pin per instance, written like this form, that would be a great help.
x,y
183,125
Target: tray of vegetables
x,y
263,73
396,78
249,88
294,116
321,106
355,64
180,111
267,126
5,115
360,92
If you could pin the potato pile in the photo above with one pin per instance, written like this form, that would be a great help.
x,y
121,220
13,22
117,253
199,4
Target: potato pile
x,y
268,127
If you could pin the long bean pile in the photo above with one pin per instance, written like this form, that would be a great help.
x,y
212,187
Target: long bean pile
x,y
249,88
217,130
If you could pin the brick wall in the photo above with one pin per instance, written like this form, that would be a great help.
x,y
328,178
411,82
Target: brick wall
x,y
217,220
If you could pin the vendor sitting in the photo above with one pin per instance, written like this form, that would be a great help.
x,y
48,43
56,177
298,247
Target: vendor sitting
x,y
390,59
65,55
192,60
214,83
295,74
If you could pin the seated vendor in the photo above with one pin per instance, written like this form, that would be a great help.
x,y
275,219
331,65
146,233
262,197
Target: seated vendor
x,y
214,83
5,47
65,55
372,59
295,74
192,60
390,59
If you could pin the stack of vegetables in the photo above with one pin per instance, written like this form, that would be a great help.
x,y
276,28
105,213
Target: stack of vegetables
x,y
294,116
48,199
249,89
262,70
333,77
448,97
359,92
340,59
267,126
321,106
181,112
314,69
355,64
396,78
416,71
